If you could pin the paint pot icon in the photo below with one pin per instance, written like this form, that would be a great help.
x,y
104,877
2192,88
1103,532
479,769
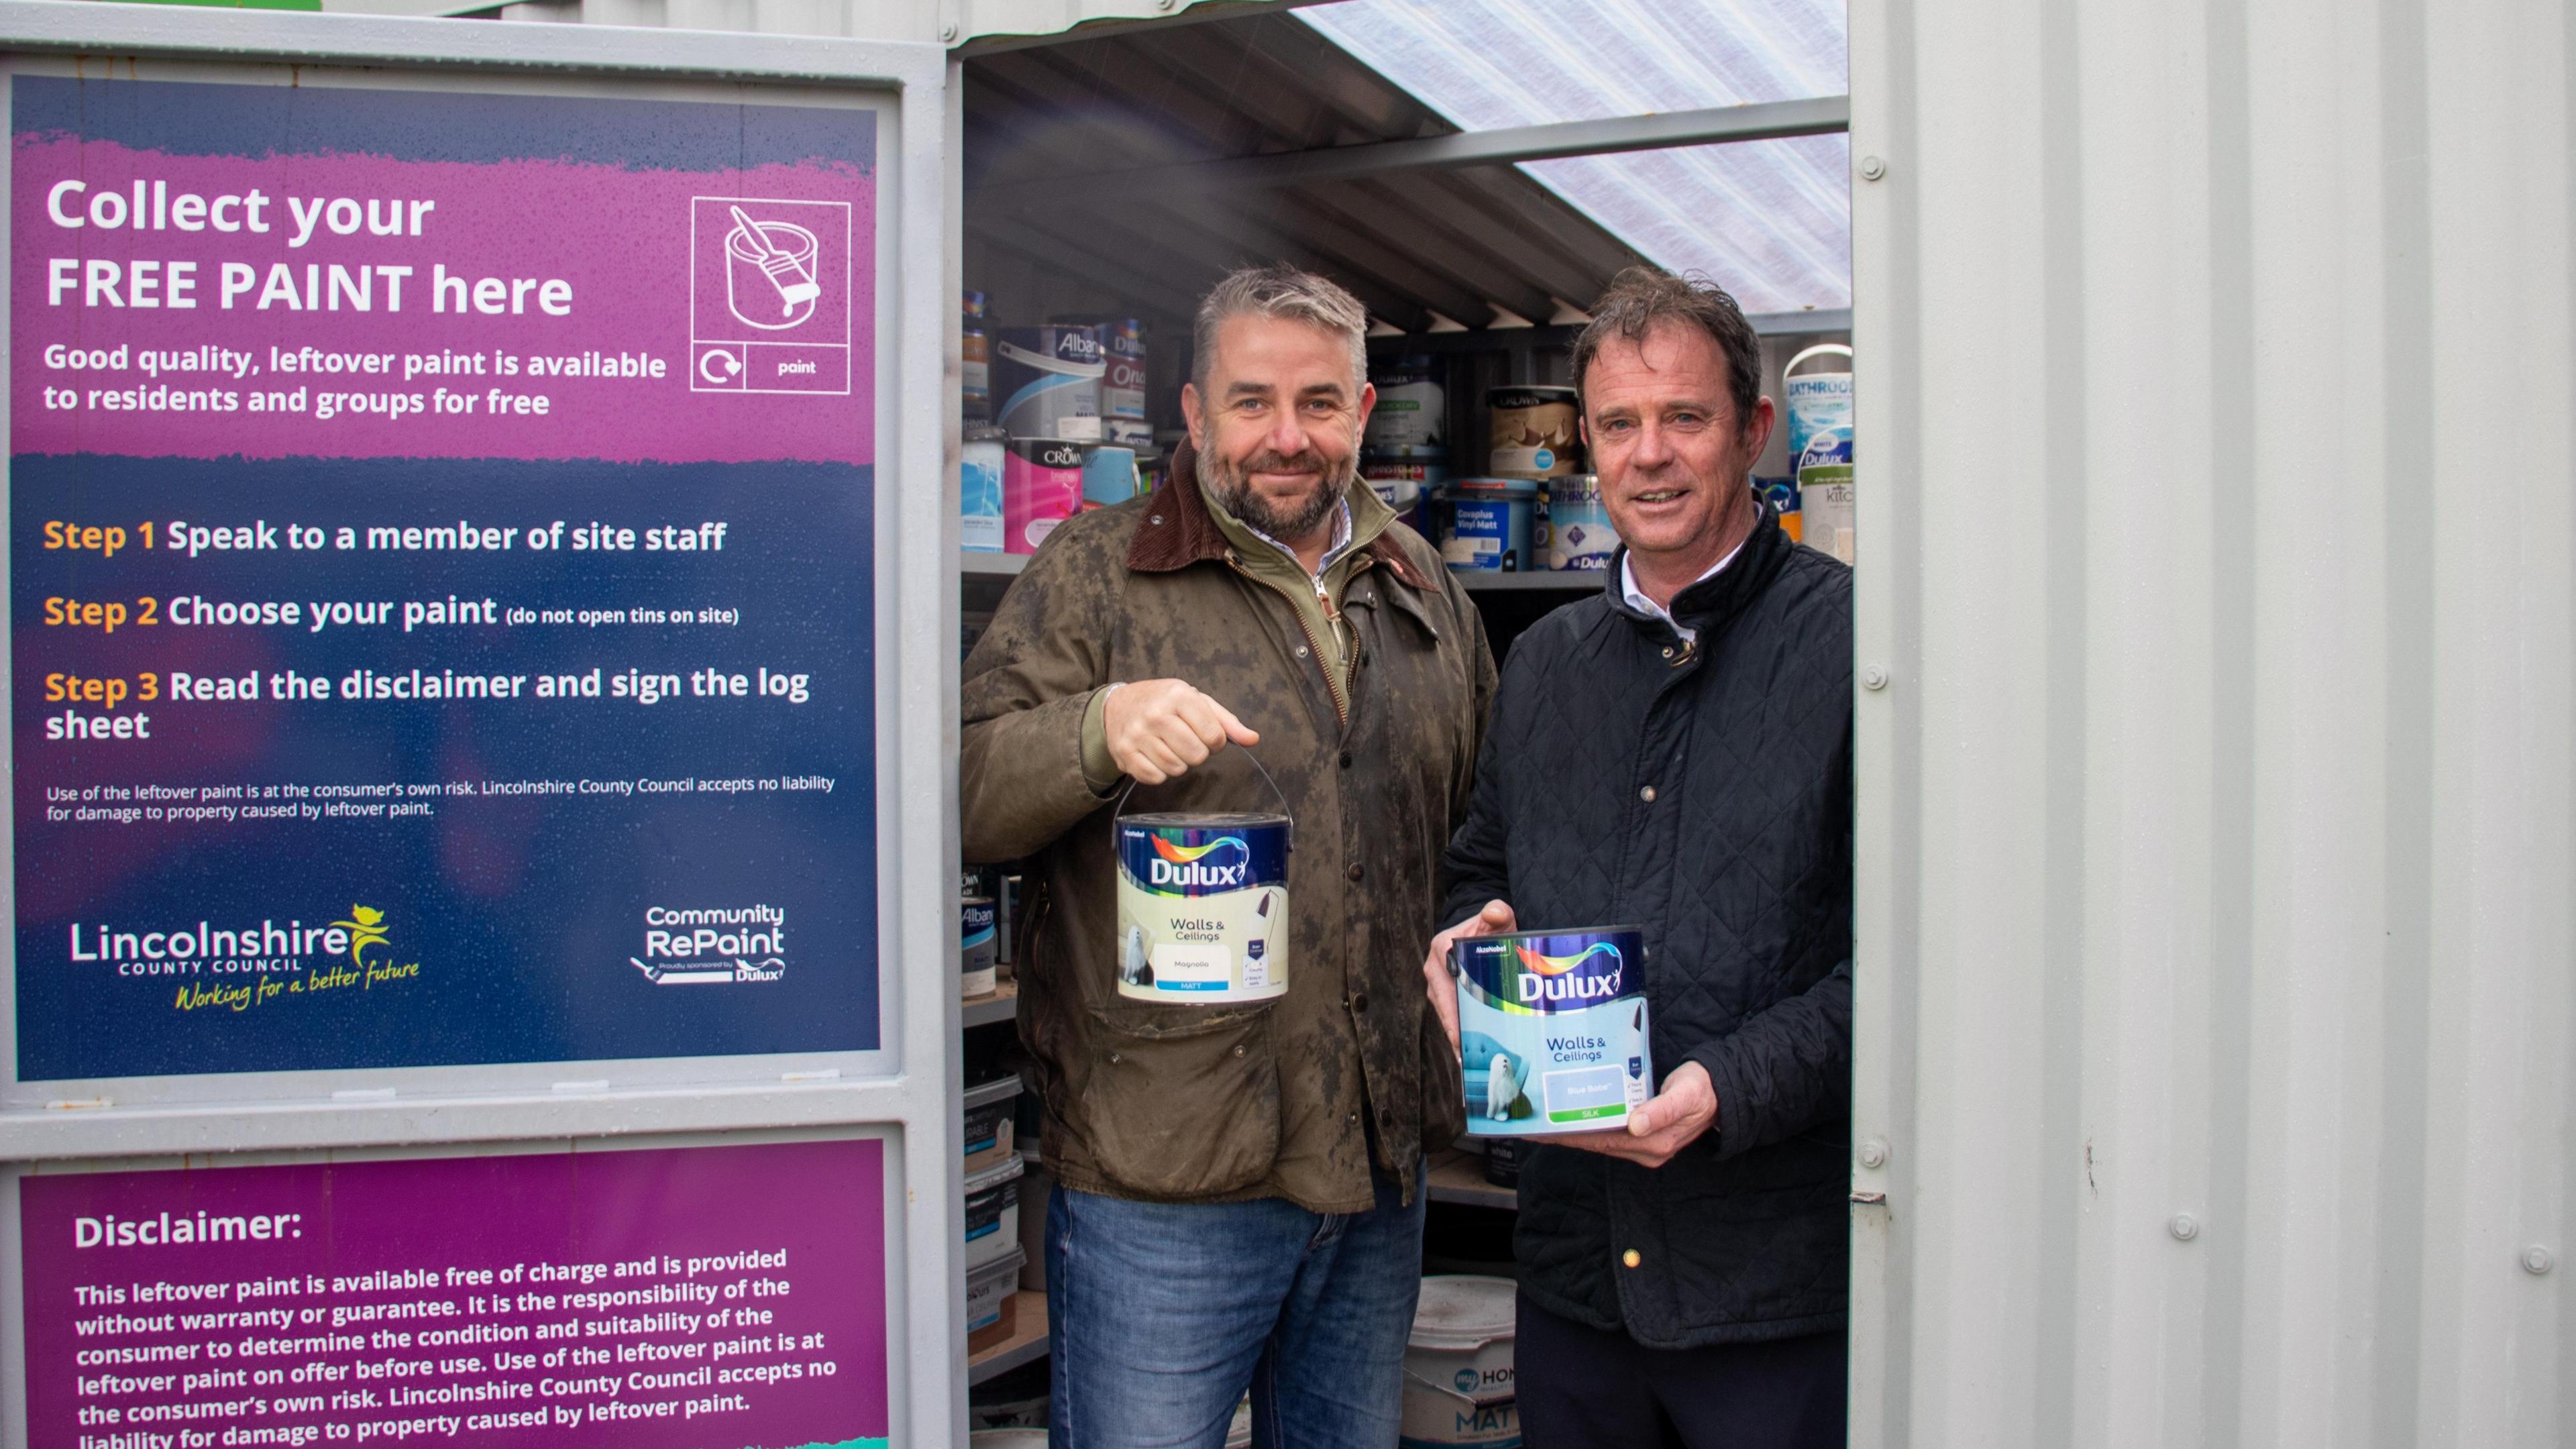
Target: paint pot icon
x,y
770,280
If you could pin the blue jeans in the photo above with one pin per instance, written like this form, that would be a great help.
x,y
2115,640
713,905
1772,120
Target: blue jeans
x,y
1159,1315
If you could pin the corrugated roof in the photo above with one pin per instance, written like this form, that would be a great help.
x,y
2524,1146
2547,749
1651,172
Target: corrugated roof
x,y
1770,220
1459,242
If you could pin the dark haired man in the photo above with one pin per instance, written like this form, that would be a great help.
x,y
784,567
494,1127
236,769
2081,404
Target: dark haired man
x,y
1675,753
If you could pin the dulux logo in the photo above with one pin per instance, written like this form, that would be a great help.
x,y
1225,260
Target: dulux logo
x,y
1184,866
1556,978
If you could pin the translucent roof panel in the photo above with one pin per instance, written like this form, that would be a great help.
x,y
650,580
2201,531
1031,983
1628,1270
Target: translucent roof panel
x,y
1768,220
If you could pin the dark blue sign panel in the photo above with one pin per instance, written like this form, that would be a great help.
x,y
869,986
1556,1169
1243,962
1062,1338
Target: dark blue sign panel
x,y
441,590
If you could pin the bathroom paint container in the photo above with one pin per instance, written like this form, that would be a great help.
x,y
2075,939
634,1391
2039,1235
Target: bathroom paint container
x,y
1553,1031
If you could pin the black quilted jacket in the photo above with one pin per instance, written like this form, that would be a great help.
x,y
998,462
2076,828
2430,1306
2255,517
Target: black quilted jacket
x,y
1739,869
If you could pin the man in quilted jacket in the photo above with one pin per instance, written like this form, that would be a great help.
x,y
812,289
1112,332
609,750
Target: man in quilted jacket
x,y
1674,753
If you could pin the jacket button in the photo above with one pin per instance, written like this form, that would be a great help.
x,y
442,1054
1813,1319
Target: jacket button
x,y
1346,759
1668,649
1238,1051
1113,1059
1354,871
1647,794
1631,1257
1158,522
1301,651
1355,1119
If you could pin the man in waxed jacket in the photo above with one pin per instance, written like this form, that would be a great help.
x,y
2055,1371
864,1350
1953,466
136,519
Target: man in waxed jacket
x,y
1240,1191
1675,753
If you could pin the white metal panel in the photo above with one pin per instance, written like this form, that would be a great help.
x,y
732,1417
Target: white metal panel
x,y
2216,367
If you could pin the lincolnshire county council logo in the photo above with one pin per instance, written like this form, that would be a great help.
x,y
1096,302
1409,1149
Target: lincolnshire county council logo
x,y
366,927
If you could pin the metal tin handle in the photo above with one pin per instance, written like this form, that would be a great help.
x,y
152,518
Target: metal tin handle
x,y
1284,808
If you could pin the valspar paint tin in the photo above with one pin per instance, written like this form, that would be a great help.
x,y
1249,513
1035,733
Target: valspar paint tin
x,y
1579,535
1534,434
1552,1030
1041,487
1046,381
1202,907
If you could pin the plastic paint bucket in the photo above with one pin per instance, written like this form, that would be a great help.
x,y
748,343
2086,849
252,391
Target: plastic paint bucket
x,y
1405,482
1552,1030
1046,381
979,489
1412,408
1202,907
992,1123
1485,523
1820,449
993,1213
975,953
1041,487
1579,535
1459,1378
1533,430
1108,475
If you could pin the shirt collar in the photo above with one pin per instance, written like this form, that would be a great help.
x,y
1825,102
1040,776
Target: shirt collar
x,y
1340,544
1638,601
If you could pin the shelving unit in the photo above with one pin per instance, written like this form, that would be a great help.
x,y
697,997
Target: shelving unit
x,y
1028,1340
1002,1005
1456,1175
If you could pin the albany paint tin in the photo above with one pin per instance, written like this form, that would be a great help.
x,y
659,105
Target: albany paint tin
x,y
1046,381
977,973
1122,378
1533,431
1041,487
979,489
1486,524
1202,907
1412,409
1579,535
1552,1030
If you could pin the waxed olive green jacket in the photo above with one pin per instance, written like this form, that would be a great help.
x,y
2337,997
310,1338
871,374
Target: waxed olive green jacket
x,y
1283,1098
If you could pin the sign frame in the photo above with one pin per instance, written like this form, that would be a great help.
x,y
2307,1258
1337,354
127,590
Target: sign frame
x,y
907,1088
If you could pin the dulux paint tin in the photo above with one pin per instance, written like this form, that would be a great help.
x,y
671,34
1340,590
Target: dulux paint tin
x,y
979,489
1046,381
1486,524
1041,487
1202,907
1820,449
1579,535
978,975
1552,1030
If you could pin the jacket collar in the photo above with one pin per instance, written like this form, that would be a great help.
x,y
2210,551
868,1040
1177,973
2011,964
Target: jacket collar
x,y
1180,529
1714,601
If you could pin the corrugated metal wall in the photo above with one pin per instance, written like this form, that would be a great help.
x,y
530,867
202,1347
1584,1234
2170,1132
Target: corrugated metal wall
x,y
2216,814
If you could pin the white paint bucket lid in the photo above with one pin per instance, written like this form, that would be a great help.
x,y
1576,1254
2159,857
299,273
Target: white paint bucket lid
x,y
1463,1312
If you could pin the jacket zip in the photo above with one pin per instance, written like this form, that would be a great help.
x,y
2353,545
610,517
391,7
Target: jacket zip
x,y
1332,687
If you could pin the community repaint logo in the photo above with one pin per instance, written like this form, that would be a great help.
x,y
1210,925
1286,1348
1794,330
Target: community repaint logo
x,y
1184,866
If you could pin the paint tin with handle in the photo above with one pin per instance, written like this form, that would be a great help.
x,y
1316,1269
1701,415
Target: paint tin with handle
x,y
1202,905
1552,1030
1046,382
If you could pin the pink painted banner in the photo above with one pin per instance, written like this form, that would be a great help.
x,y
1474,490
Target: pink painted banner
x,y
680,1298
348,305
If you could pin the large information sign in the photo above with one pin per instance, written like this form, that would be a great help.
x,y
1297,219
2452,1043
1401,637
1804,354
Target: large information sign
x,y
638,1298
440,576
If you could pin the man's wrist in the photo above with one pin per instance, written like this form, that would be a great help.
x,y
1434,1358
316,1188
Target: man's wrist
x,y
1099,768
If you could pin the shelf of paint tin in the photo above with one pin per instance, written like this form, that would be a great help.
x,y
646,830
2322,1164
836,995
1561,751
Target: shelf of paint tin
x,y
1458,1176
1028,1339
1002,1005
976,563
1479,580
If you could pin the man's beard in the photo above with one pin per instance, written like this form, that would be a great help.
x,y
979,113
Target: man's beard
x,y
1232,489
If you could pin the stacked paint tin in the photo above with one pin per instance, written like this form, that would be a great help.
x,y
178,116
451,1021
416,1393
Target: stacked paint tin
x,y
1404,451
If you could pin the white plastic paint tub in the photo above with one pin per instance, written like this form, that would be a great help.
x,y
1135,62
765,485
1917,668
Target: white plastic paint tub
x,y
1458,1374
993,1213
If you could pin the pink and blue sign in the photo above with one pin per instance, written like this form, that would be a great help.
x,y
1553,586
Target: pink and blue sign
x,y
641,1299
442,584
